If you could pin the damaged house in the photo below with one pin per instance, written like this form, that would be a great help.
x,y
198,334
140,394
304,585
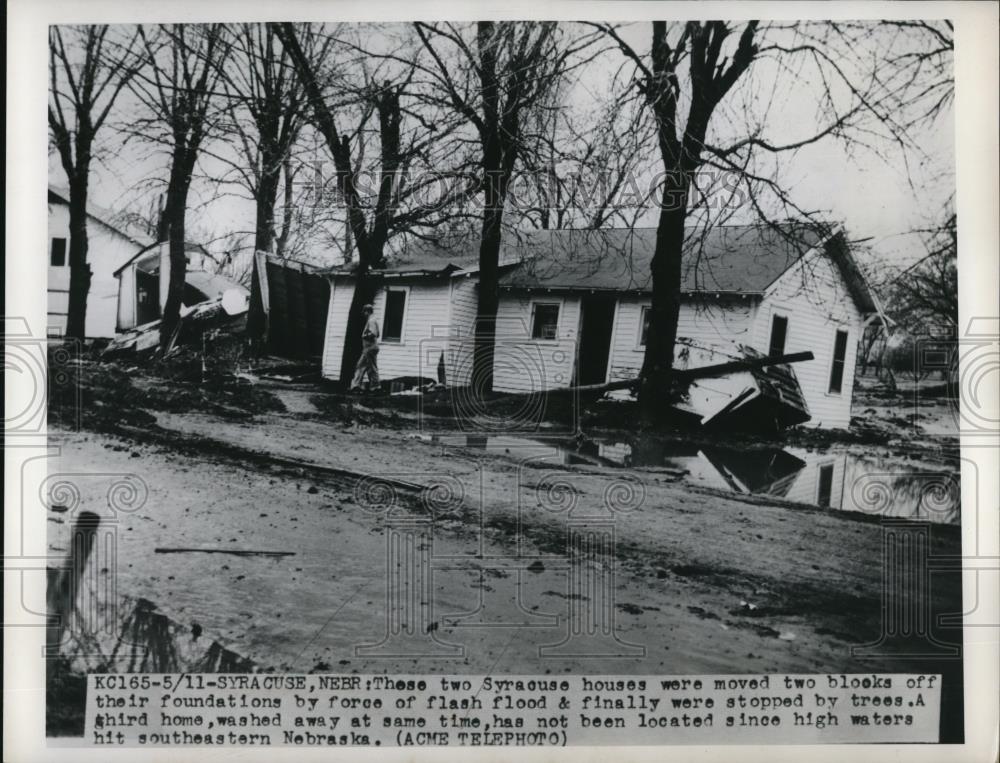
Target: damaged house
x,y
143,281
574,311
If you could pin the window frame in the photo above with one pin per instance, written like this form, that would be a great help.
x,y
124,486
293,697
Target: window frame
x,y
558,304
643,311
385,310
833,363
65,252
775,315
828,467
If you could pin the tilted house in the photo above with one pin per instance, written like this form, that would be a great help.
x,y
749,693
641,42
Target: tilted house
x,y
426,308
575,310
583,299
108,246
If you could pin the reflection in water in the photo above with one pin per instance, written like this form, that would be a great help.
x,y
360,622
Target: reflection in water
x,y
837,479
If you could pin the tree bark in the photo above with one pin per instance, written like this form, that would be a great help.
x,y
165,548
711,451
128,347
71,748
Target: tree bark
x,y
173,221
79,268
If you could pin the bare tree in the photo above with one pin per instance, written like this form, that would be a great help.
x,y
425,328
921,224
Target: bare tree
x,y
393,200
87,71
924,296
177,87
697,64
495,78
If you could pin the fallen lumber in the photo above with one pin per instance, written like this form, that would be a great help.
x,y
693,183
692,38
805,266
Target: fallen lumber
x,y
704,372
233,551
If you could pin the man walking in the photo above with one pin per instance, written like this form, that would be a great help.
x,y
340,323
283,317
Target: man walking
x,y
368,362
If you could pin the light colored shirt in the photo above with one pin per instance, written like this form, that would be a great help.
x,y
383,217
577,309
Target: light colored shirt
x,y
371,331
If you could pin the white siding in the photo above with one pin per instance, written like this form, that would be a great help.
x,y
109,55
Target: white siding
x,y
522,364
341,294
126,298
706,333
813,296
425,330
464,303
106,251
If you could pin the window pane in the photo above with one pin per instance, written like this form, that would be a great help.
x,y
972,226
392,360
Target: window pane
x,y
392,328
779,327
644,327
58,252
837,369
544,321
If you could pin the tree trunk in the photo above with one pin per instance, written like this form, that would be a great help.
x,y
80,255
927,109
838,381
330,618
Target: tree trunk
x,y
267,194
486,310
79,268
173,220
364,293
658,361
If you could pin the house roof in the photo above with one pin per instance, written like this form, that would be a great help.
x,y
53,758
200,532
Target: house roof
x,y
723,259
188,247
740,259
212,285
104,216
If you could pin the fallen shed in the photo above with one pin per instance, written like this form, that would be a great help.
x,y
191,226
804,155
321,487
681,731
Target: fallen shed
x,y
289,301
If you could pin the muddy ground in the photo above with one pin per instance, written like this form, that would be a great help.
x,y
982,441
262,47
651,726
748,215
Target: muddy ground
x,y
700,581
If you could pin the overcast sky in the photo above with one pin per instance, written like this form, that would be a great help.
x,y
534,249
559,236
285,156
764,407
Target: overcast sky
x,y
879,198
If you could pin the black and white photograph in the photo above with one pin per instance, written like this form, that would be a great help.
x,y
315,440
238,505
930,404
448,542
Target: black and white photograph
x,y
492,380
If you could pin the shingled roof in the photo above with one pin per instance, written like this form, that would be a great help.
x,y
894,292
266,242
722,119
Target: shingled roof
x,y
743,259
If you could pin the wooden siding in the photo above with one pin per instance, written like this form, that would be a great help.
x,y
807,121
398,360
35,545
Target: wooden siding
x,y
706,333
424,333
106,251
298,306
341,294
814,297
464,303
522,364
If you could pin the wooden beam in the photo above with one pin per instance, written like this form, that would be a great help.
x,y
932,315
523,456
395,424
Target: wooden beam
x,y
705,372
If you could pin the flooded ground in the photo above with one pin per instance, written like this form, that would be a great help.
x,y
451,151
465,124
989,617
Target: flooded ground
x,y
265,534
839,479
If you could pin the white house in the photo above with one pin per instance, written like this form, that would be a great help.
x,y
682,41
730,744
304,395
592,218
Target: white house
x,y
427,312
575,310
109,245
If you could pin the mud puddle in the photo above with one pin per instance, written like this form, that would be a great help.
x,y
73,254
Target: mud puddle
x,y
839,479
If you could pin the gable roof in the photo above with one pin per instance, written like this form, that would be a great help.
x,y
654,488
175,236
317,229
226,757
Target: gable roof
x,y
105,217
732,259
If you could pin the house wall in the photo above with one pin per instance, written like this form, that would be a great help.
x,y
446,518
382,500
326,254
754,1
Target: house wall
x,y
523,364
425,332
813,296
706,333
425,329
464,303
107,249
341,294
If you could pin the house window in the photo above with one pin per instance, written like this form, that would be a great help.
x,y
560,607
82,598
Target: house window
x,y
544,321
825,492
644,325
58,259
395,306
779,330
837,369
